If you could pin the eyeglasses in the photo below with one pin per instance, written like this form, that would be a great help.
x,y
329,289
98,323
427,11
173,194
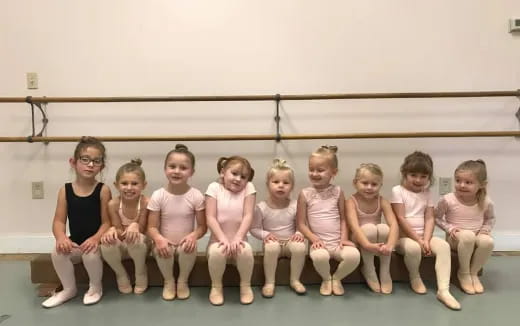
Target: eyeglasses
x,y
95,161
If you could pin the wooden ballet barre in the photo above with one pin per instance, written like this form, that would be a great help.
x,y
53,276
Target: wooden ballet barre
x,y
426,134
259,97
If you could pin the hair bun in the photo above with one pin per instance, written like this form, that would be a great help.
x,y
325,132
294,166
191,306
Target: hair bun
x,y
137,161
279,163
181,147
331,148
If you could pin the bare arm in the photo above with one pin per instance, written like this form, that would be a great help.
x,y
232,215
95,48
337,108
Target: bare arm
x,y
353,221
211,219
399,211
429,224
391,220
154,223
113,214
143,215
202,228
247,217
60,216
343,220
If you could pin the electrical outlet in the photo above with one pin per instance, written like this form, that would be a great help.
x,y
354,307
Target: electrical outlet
x,y
32,80
37,190
444,185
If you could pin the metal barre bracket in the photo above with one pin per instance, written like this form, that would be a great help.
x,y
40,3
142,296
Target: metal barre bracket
x,y
517,114
277,118
45,120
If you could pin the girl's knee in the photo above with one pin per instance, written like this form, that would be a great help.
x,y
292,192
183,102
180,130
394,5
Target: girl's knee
x,y
246,250
350,254
108,249
319,255
485,241
466,237
440,247
412,249
370,231
139,247
297,248
382,232
91,256
56,256
272,248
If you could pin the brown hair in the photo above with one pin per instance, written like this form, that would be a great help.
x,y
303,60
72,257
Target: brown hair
x,y
280,165
224,162
478,168
329,152
418,162
134,166
86,142
182,149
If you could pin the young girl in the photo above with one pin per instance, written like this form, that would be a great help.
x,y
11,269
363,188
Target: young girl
x,y
275,223
126,236
171,222
467,216
321,218
229,213
364,210
84,203
413,207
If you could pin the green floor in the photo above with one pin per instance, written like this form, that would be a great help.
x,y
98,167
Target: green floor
x,y
19,305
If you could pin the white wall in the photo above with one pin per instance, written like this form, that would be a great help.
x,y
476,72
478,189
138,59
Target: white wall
x,y
136,48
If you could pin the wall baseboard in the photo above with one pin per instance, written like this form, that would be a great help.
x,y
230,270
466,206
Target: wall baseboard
x,y
21,244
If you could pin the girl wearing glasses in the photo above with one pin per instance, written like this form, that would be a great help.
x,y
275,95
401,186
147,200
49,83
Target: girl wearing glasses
x,y
84,203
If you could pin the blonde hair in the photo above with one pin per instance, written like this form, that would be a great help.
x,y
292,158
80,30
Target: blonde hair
x,y
478,168
134,166
328,152
370,167
418,162
279,165
224,163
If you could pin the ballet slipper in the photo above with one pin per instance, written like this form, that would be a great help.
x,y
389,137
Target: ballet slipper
x,y
183,290
449,301
216,296
268,290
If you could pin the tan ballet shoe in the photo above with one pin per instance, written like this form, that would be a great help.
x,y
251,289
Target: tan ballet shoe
x,y
337,287
477,285
326,287
168,292
466,283
417,285
216,296
183,290
246,294
298,287
448,300
268,290
371,279
141,283
123,285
